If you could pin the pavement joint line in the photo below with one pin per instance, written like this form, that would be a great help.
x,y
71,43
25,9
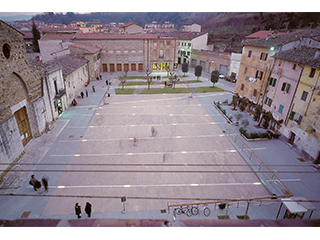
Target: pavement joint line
x,y
152,185
144,138
142,153
142,125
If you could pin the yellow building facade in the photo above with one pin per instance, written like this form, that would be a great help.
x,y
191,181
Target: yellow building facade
x,y
255,68
303,127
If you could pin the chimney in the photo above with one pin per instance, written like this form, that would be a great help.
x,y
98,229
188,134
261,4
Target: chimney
x,y
317,54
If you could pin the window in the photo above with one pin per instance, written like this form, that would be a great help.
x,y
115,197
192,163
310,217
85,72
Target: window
x,y
125,51
280,108
259,74
245,70
161,54
263,56
295,117
242,87
272,81
285,87
268,101
294,66
110,51
140,51
312,72
254,92
118,51
249,54
133,51
6,49
304,96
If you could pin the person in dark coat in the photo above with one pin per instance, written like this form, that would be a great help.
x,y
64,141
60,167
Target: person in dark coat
x,y
93,88
45,183
77,208
88,209
86,92
82,94
35,183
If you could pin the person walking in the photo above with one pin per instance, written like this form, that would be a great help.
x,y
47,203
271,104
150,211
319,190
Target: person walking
x,y
36,184
107,82
33,182
77,208
86,92
82,94
93,88
88,209
44,181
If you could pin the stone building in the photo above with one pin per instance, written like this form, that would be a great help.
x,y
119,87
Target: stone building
x,y
22,106
130,28
54,45
75,75
211,60
92,54
132,52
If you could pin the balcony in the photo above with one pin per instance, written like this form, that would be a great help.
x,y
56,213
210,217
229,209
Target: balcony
x,y
60,93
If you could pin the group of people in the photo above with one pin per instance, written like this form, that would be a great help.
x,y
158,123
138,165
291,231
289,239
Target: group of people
x,y
87,209
37,184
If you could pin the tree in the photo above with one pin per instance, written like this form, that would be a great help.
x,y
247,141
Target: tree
x,y
36,37
214,76
198,71
123,81
185,68
149,79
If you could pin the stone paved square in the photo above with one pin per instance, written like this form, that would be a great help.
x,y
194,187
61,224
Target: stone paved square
x,y
176,139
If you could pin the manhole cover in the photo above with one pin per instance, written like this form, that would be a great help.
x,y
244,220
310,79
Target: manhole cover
x,y
163,211
71,136
25,214
90,108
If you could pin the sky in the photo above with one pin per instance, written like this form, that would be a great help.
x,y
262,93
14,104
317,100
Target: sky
x,y
32,7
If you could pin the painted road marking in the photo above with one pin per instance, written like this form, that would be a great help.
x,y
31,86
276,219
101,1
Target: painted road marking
x,y
142,153
154,185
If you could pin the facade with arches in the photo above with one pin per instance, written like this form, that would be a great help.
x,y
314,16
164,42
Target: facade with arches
x,y
22,106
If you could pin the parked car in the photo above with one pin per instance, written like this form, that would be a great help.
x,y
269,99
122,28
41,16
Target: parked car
x,y
231,79
221,76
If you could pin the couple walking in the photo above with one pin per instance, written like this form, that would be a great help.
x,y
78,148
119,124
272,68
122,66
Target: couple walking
x,y
88,209
37,185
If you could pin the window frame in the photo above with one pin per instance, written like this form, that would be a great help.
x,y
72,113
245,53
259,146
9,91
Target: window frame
x,y
304,96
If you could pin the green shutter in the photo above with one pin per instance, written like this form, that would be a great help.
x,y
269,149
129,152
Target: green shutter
x,y
283,86
265,102
292,115
270,102
299,120
274,82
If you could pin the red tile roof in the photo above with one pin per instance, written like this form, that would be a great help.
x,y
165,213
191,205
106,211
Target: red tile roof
x,y
89,49
263,34
113,36
62,37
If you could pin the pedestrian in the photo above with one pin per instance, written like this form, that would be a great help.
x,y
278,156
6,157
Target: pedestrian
x,y
165,83
107,83
88,209
36,184
86,92
100,77
44,180
93,88
82,94
77,208
97,78
33,181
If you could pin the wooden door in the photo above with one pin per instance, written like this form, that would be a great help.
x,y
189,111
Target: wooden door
x,y
140,66
133,67
23,124
104,68
111,67
292,137
126,67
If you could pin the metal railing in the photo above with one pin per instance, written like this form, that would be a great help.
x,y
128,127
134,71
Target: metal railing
x,y
267,177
